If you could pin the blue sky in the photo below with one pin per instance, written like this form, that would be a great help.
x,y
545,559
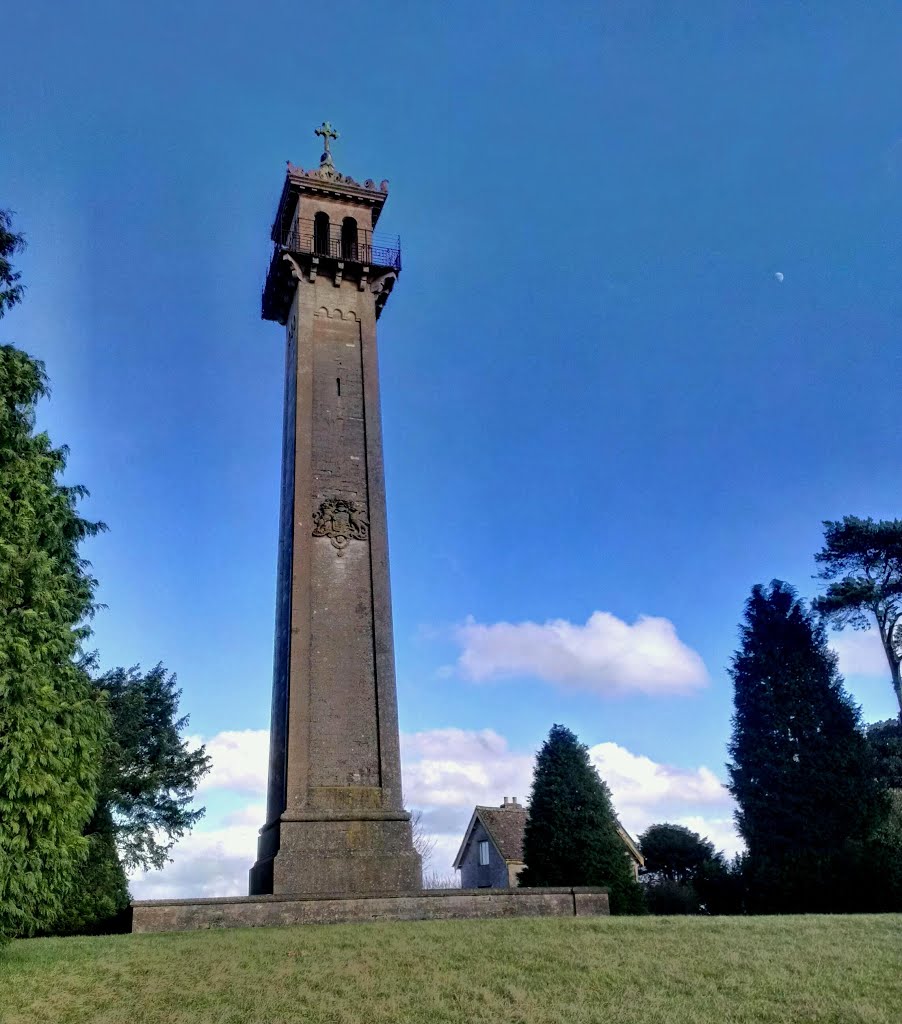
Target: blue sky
x,y
597,395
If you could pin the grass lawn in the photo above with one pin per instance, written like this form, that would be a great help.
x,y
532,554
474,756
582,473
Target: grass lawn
x,y
618,970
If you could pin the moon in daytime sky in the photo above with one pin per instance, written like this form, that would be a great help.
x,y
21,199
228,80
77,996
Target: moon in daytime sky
x,y
778,275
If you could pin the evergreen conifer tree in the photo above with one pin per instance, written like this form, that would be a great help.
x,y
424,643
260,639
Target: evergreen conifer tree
x,y
144,800
150,773
99,892
800,769
571,833
862,565
52,722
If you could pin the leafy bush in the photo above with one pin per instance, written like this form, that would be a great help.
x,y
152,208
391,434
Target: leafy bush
x,y
667,896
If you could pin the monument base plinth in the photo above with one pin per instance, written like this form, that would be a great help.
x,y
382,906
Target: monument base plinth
x,y
426,905
339,855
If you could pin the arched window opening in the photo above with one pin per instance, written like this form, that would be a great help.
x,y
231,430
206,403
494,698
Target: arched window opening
x,y
349,239
321,234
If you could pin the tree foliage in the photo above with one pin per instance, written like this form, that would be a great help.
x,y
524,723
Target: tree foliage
x,y
885,742
52,722
720,885
571,835
885,857
674,852
800,772
666,897
884,849
94,773
862,564
10,244
99,894
147,783
150,772
423,843
684,874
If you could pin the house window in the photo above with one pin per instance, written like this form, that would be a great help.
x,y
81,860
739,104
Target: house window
x,y
483,852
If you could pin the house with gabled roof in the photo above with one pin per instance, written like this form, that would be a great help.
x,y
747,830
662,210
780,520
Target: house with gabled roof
x,y
491,853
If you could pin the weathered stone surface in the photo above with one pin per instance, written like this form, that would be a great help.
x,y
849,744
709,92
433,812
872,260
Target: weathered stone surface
x,y
427,905
353,855
335,820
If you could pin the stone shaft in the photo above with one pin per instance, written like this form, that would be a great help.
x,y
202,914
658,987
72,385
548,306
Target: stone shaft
x,y
335,818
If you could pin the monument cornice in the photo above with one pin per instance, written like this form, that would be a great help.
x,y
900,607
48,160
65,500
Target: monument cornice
x,y
330,184
327,177
357,814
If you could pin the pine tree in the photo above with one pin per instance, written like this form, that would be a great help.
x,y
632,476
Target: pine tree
x,y
571,835
150,773
800,769
862,565
52,722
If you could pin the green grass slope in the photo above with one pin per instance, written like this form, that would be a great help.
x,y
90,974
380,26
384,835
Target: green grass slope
x,y
829,970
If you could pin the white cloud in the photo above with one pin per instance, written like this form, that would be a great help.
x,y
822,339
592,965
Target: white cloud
x,y
636,779
252,815
606,655
214,859
447,772
721,831
860,652
646,792
240,761
461,767
204,863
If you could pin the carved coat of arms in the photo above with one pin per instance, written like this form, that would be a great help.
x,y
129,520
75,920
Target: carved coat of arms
x,y
341,521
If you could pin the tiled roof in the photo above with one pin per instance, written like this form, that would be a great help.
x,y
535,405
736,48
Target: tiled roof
x,y
506,826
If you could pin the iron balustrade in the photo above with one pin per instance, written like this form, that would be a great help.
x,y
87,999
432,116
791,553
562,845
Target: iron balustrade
x,y
339,243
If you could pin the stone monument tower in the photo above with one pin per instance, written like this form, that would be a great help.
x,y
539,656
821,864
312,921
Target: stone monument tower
x,y
335,821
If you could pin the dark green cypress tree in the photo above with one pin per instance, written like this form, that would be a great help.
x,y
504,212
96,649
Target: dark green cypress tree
x,y
800,770
571,833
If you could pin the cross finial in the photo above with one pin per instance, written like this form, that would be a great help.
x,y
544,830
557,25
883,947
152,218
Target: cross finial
x,y
327,132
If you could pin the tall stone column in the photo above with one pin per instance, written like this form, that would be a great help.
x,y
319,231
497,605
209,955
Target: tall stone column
x,y
335,819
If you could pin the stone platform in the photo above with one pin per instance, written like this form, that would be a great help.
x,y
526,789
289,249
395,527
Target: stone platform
x,y
426,905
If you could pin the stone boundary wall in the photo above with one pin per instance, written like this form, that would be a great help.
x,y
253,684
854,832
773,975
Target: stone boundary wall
x,y
427,905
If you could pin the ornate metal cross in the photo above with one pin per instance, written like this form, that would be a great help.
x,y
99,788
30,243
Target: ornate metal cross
x,y
327,132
